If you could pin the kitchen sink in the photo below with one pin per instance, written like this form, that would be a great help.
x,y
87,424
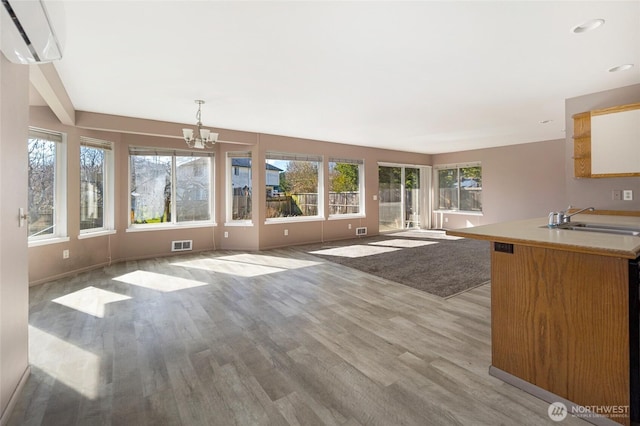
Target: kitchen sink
x,y
599,227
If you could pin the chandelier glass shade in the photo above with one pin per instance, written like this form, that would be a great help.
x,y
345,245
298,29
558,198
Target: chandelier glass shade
x,y
200,138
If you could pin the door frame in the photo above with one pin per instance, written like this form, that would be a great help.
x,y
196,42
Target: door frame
x,y
425,192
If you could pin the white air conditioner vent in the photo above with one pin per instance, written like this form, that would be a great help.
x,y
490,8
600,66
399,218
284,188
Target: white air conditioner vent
x,y
361,231
184,245
27,31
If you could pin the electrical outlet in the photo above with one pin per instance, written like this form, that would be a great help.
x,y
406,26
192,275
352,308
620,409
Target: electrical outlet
x,y
349,226
286,232
627,195
65,254
226,234
616,195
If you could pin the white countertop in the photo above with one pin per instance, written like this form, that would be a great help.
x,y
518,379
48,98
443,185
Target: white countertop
x,y
534,232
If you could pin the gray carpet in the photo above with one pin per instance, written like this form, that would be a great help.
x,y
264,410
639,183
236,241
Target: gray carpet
x,y
427,260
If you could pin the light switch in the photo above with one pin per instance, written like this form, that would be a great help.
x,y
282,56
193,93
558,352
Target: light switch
x,y
627,195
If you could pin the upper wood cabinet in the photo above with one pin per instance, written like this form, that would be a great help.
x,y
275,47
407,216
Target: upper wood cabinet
x,y
606,142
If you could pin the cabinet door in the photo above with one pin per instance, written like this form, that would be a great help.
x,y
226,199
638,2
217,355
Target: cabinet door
x,y
560,320
615,143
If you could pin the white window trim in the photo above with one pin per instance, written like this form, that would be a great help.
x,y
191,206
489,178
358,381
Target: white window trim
x,y
169,226
361,189
229,189
108,209
436,187
60,195
321,195
346,216
239,223
47,241
135,227
290,219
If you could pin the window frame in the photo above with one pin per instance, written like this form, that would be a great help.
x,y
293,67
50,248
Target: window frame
x,y
361,187
108,196
174,223
288,156
234,171
436,180
60,233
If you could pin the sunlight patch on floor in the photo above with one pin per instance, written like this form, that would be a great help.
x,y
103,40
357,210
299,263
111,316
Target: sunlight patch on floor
x,y
424,233
74,367
247,264
403,243
229,267
90,300
159,282
262,259
354,251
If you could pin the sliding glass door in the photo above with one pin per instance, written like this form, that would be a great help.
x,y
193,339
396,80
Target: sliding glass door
x,y
390,198
402,202
412,197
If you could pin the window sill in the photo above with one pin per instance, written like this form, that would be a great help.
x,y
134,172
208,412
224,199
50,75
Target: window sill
x,y
461,212
347,216
290,219
92,234
154,227
47,241
246,223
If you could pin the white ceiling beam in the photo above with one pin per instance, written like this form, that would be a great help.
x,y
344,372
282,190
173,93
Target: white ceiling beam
x,y
47,82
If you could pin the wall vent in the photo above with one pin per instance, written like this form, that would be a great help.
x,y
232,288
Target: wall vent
x,y
184,245
361,231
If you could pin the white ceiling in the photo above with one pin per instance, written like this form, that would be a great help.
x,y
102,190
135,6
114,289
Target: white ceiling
x,y
426,77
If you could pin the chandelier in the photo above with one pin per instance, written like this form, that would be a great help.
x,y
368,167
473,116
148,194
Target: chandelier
x,y
203,138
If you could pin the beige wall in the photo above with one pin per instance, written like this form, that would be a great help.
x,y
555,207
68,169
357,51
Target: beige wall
x,y
14,295
530,180
47,262
597,192
518,182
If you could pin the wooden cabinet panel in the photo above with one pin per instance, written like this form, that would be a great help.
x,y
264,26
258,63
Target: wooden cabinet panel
x,y
582,144
560,320
582,157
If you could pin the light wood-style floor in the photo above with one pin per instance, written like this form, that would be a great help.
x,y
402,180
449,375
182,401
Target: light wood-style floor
x,y
264,338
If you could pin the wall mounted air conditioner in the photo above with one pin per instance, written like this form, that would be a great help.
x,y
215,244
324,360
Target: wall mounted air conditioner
x,y
28,34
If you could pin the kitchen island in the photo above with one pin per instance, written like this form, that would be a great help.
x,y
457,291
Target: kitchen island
x,y
564,314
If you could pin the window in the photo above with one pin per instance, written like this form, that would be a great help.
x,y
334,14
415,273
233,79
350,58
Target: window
x,y
240,190
170,187
293,185
96,185
345,186
460,187
47,185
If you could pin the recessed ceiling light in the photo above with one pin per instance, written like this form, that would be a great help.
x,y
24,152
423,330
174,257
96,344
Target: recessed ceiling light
x,y
623,67
587,26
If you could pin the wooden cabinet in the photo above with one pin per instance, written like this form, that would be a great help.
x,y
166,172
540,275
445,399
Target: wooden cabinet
x,y
582,144
561,321
607,142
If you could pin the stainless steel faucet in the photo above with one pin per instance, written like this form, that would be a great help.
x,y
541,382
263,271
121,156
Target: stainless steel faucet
x,y
563,217
558,218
